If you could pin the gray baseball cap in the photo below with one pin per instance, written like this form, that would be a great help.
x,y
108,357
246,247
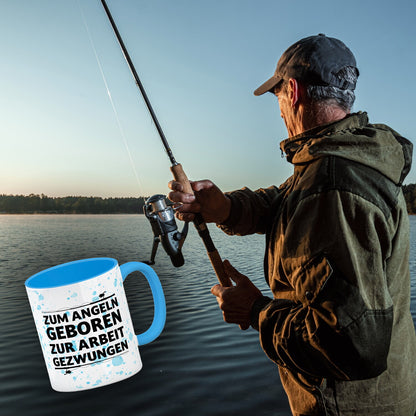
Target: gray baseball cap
x,y
314,60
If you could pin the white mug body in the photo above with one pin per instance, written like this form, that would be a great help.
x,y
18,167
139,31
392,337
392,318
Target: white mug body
x,y
84,327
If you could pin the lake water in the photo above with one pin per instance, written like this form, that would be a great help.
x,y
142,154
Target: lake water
x,y
198,366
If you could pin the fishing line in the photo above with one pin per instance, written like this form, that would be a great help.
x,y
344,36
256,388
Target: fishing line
x,y
176,168
120,127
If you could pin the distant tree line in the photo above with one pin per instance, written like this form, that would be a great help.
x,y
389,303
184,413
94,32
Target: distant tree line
x,y
33,204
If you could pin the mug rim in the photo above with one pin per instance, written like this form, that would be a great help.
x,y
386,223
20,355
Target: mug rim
x,y
56,276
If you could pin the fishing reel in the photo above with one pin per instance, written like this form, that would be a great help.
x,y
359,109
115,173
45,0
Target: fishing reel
x,y
165,230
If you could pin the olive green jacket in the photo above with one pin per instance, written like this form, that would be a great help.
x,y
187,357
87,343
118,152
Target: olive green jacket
x,y
337,261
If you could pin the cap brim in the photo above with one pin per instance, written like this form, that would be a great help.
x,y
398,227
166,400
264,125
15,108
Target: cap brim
x,y
268,85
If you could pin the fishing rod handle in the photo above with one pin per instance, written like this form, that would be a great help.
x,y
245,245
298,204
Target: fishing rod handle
x,y
212,252
215,258
180,176
218,267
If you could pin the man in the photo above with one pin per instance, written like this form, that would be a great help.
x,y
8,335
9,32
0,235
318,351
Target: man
x,y
339,325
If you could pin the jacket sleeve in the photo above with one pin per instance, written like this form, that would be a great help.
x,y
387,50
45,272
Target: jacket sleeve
x,y
338,320
250,210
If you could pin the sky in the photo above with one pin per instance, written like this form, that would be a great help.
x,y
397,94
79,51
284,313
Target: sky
x,y
73,122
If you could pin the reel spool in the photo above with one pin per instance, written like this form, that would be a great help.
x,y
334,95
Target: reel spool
x,y
165,230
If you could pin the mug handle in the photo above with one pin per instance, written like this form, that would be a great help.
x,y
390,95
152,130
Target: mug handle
x,y
159,318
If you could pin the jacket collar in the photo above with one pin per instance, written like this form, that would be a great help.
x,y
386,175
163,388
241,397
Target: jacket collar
x,y
352,121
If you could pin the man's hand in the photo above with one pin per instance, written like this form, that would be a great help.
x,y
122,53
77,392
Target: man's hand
x,y
208,200
236,301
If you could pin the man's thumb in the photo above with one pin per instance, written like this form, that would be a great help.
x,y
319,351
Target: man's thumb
x,y
233,273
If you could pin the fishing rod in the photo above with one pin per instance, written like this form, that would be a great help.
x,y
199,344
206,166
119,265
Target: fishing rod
x,y
178,174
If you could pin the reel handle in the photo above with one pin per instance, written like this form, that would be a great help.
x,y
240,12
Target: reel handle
x,y
180,176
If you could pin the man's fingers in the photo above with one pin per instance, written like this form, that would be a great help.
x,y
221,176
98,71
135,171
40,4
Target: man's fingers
x,y
217,290
177,196
175,186
236,319
187,217
186,211
200,185
232,313
196,185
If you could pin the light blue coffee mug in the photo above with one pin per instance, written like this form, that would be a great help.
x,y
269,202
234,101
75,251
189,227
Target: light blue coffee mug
x,y
84,324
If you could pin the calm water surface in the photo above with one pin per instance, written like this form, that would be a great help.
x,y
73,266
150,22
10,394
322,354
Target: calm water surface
x,y
199,365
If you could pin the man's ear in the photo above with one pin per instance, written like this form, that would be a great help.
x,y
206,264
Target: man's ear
x,y
293,92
